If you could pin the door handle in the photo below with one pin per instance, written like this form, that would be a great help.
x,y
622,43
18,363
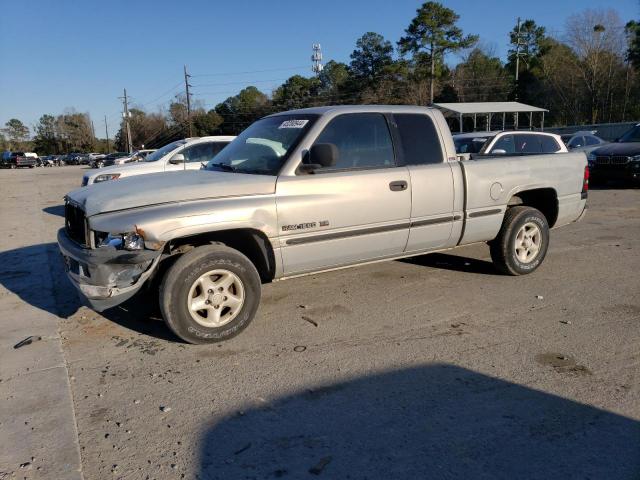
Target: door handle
x,y
398,186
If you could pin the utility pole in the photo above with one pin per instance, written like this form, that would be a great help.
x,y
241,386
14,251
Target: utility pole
x,y
106,129
186,87
316,59
518,55
126,115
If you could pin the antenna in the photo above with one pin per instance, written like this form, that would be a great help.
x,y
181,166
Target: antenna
x,y
316,58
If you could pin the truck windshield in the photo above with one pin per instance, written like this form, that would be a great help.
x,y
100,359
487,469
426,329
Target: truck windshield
x,y
264,147
158,154
632,135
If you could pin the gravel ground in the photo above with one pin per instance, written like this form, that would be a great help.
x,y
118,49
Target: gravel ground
x,y
433,367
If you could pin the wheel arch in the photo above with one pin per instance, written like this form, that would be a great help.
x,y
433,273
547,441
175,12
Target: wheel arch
x,y
544,199
252,243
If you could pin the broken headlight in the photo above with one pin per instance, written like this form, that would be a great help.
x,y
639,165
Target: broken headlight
x,y
121,241
106,177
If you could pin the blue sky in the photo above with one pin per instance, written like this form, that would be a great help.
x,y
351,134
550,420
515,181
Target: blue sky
x,y
64,53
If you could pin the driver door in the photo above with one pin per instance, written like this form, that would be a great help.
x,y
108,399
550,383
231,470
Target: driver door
x,y
354,211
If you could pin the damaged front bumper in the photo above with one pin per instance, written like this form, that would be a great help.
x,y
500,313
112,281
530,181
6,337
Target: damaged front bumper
x,y
106,276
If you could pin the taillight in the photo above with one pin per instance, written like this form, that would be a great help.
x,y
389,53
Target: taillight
x,y
585,180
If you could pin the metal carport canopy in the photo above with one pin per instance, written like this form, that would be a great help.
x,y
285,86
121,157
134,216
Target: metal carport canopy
x,y
488,108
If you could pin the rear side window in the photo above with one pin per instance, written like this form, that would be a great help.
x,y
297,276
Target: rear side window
x,y
362,139
549,144
589,140
420,140
577,142
202,152
528,144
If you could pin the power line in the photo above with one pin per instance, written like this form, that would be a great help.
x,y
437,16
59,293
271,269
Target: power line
x,y
163,94
237,82
246,72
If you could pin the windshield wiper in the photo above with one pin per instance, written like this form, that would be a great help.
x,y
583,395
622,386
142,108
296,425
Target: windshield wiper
x,y
224,166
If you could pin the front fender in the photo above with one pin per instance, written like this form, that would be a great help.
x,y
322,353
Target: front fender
x,y
162,223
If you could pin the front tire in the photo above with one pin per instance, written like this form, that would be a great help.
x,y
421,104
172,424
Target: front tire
x,y
210,294
522,243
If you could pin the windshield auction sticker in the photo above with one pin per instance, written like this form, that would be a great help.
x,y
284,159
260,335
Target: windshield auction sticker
x,y
293,124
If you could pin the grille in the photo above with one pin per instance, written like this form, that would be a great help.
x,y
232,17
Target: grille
x,y
612,160
75,223
619,160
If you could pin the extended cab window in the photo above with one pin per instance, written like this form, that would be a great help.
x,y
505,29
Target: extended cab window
x,y
420,140
362,139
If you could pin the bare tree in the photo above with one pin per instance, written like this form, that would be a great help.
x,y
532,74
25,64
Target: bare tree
x,y
598,39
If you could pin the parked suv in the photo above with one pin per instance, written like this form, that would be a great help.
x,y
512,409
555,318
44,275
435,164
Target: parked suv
x,y
187,154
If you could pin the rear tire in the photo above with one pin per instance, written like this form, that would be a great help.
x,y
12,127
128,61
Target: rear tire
x,y
522,243
210,294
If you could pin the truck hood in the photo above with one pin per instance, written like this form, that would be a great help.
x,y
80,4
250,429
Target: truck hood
x,y
629,149
157,188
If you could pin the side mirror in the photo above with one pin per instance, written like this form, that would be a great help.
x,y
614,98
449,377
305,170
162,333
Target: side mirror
x,y
177,159
321,155
498,151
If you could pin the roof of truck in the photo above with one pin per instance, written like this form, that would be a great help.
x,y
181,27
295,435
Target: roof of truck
x,y
354,108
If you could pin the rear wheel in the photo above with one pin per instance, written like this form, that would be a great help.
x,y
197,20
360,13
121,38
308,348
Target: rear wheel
x,y
522,242
210,294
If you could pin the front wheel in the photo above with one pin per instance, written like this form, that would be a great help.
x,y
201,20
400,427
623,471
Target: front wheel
x,y
210,294
522,242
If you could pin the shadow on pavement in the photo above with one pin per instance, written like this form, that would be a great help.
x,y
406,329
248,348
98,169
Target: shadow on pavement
x,y
57,210
36,274
446,261
435,421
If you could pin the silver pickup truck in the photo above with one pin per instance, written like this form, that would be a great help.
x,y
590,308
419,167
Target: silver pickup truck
x,y
307,191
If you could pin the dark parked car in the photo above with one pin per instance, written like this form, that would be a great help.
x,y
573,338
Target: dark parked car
x,y
111,158
619,160
18,160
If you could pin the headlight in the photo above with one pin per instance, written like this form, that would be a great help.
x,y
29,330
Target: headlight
x,y
591,157
635,158
126,241
105,177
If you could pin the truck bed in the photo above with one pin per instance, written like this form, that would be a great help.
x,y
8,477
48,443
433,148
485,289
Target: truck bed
x,y
490,183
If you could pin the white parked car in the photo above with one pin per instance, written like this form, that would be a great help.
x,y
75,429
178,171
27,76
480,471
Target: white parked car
x,y
187,154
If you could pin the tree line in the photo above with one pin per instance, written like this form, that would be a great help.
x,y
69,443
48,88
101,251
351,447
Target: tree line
x,y
587,74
